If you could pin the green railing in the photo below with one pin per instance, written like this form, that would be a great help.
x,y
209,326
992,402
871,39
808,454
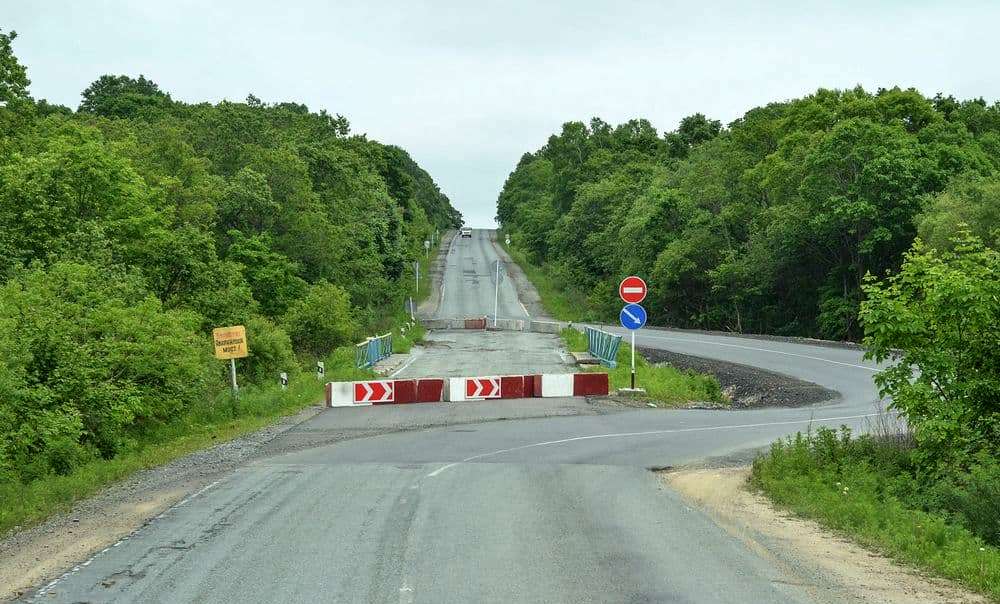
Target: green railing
x,y
603,345
373,350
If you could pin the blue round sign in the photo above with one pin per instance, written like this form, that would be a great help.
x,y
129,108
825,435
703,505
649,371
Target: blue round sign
x,y
632,316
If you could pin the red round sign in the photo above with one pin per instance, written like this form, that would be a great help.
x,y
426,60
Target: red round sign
x,y
632,290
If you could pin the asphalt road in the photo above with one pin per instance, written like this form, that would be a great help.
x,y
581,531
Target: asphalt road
x,y
467,289
543,509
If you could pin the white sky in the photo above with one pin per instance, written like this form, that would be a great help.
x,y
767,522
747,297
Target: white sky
x,y
467,87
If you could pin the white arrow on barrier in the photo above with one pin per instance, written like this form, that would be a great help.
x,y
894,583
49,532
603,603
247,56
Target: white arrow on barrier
x,y
483,388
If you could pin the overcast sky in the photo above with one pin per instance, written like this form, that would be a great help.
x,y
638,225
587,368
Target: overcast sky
x,y
467,87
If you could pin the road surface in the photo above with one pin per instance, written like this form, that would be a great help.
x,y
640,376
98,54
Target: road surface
x,y
467,287
545,509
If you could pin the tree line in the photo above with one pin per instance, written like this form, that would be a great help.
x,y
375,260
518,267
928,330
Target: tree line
x,y
766,225
132,226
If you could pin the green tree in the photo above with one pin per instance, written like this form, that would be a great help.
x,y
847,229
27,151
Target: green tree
x,y
14,80
322,320
971,202
124,97
938,322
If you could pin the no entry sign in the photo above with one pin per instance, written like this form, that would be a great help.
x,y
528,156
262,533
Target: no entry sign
x,y
632,290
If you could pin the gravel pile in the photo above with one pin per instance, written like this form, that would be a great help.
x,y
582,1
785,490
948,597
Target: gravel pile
x,y
748,387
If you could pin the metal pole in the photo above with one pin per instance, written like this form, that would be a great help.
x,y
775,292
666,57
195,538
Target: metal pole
x,y
496,295
633,359
232,377
416,273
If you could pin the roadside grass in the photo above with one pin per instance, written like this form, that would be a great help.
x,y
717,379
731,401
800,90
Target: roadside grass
x,y
867,489
666,386
561,304
219,419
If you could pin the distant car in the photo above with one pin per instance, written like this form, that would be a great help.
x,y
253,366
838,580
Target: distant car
x,y
466,233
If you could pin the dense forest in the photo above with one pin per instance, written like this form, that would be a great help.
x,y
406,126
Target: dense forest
x,y
132,226
768,225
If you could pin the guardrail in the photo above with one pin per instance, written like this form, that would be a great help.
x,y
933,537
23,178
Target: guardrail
x,y
603,345
373,350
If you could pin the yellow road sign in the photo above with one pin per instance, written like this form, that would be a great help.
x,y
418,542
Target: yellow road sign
x,y
230,342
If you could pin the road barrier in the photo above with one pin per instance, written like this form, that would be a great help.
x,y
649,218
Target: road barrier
x,y
373,350
459,389
603,345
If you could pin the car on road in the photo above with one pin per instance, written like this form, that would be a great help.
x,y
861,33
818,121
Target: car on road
x,y
466,233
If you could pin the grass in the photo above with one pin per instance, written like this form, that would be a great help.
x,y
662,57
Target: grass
x,y
558,303
664,385
218,420
862,487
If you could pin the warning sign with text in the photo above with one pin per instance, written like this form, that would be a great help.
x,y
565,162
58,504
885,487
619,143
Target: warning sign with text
x,y
230,342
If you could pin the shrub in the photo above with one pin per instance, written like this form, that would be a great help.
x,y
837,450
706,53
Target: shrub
x,y
270,352
322,320
96,361
939,315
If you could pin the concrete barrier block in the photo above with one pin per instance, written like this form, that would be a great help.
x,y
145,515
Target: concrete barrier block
x,y
557,384
546,326
512,386
455,390
340,394
430,390
405,391
590,384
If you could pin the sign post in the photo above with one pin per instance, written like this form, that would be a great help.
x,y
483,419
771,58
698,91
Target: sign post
x,y
320,370
496,295
632,290
416,275
231,344
427,247
284,380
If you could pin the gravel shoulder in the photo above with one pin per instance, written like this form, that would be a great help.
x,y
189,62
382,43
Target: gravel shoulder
x,y
830,568
748,387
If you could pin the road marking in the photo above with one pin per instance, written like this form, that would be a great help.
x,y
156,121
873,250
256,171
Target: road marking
x,y
648,433
790,354
441,469
525,309
413,357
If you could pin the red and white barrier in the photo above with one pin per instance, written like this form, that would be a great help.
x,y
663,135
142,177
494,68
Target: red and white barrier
x,y
429,390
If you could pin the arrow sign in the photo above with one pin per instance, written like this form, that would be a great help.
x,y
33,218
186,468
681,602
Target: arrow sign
x,y
632,316
632,290
486,387
374,392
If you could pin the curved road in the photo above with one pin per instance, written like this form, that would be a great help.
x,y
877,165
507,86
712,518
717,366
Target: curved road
x,y
553,509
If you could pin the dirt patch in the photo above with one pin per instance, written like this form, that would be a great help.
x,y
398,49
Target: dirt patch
x,y
747,386
830,568
34,555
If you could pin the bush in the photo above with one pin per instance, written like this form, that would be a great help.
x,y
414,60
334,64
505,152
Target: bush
x,y
95,362
270,352
874,489
939,315
322,321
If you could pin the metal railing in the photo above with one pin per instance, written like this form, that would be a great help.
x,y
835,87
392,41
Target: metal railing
x,y
603,345
373,350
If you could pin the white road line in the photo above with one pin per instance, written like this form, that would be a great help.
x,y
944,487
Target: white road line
x,y
441,469
413,357
525,309
789,354
649,433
